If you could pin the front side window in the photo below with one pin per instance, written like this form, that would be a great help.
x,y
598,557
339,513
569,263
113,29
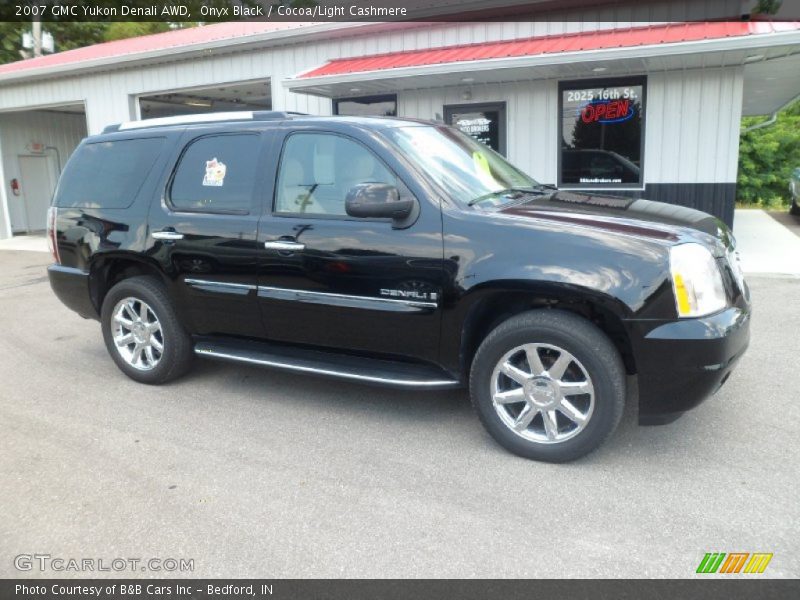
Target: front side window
x,y
217,174
466,169
602,139
318,170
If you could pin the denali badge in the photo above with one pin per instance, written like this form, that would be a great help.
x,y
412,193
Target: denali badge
x,y
411,294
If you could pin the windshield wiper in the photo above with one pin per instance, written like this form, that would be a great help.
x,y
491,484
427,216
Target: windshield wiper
x,y
511,193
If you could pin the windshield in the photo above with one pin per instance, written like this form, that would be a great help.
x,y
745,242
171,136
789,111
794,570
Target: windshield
x,y
468,170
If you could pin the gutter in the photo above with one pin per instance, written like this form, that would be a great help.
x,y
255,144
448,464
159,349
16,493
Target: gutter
x,y
772,118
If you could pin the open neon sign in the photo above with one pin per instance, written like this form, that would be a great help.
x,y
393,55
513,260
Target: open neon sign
x,y
607,111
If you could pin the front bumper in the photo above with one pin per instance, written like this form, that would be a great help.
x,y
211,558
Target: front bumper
x,y
72,288
681,363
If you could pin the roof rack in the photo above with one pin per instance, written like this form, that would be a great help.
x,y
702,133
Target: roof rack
x,y
245,115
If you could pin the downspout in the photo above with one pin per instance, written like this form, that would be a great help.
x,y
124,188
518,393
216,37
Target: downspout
x,y
773,117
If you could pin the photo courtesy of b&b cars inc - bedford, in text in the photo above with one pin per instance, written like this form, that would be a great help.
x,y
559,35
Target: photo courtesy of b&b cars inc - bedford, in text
x,y
393,299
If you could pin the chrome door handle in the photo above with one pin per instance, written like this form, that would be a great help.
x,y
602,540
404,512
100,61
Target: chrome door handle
x,y
167,235
285,246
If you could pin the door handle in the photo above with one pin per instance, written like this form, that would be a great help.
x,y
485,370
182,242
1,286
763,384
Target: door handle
x,y
285,246
167,235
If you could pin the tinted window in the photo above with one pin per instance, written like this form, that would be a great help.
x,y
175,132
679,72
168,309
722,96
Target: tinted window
x,y
217,174
485,123
317,171
107,174
601,134
369,106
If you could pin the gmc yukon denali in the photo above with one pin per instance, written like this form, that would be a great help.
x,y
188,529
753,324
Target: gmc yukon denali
x,y
400,253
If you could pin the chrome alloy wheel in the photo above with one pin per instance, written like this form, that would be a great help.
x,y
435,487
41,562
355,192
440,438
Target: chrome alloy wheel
x,y
542,393
137,334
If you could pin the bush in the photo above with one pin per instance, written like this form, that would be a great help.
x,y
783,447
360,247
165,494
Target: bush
x,y
767,157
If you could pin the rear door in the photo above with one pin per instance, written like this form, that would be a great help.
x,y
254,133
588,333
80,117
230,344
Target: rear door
x,y
204,229
327,279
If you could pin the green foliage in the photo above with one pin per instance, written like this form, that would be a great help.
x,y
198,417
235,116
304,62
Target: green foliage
x,y
767,7
66,36
70,35
767,158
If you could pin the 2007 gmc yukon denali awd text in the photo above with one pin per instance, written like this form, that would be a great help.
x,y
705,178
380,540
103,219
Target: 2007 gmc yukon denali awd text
x,y
400,253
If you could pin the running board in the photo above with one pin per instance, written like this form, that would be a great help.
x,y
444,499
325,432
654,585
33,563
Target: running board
x,y
327,364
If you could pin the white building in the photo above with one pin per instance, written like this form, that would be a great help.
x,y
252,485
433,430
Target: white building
x,y
612,104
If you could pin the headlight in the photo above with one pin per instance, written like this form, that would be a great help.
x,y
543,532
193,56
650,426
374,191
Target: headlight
x,y
696,281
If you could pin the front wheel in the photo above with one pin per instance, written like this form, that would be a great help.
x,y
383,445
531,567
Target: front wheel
x,y
794,209
142,332
548,385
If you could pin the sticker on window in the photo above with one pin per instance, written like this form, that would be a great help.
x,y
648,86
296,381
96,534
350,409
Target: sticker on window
x,y
215,173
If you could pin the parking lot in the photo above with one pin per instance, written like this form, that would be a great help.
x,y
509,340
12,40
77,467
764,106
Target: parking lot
x,y
251,472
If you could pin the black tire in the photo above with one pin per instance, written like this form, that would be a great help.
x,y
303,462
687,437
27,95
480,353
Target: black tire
x,y
177,355
793,208
597,357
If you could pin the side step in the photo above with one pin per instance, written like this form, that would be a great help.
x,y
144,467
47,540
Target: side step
x,y
327,364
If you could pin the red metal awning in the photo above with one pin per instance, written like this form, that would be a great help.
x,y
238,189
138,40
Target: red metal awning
x,y
553,44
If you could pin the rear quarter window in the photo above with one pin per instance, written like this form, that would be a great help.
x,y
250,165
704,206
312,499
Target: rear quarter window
x,y
107,174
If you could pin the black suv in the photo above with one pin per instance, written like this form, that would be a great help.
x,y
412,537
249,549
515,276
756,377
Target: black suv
x,y
400,253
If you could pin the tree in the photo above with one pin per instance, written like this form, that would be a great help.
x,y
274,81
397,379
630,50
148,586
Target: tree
x,y
67,35
767,157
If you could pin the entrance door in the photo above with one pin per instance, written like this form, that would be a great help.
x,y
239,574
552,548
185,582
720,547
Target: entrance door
x,y
37,190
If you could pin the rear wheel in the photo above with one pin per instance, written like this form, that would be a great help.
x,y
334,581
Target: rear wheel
x,y
794,209
142,332
548,385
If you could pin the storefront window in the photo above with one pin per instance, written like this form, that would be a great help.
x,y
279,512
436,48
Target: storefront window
x,y
602,133
483,122
367,106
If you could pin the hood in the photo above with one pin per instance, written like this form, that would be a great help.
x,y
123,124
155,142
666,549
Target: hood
x,y
668,222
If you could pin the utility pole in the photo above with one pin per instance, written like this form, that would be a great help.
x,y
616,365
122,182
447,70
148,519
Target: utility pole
x,y
36,32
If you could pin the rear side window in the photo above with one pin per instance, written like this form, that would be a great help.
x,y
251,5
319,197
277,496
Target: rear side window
x,y
217,174
107,174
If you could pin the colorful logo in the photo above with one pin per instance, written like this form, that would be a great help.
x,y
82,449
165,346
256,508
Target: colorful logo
x,y
607,111
734,562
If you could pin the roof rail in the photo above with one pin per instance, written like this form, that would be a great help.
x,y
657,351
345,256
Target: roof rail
x,y
214,117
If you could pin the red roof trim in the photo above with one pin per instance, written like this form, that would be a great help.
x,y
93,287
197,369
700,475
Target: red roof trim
x,y
150,43
574,42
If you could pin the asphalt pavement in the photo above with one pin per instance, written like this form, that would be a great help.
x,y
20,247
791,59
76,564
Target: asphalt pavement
x,y
251,472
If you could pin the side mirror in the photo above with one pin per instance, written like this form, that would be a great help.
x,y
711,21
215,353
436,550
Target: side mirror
x,y
377,201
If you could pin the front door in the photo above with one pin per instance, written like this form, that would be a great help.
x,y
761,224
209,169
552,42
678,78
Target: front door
x,y
326,279
37,190
204,230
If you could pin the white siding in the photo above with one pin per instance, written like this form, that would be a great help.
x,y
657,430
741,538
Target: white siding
x,y
691,123
531,110
108,94
692,126
17,131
